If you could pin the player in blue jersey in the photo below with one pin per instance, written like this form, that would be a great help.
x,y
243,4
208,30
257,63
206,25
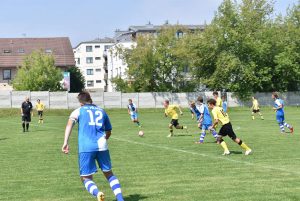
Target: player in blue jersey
x,y
94,129
133,112
194,111
278,107
205,121
224,104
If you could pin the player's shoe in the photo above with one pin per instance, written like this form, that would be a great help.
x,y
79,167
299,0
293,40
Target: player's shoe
x,y
100,196
292,130
248,152
186,129
198,142
226,153
170,135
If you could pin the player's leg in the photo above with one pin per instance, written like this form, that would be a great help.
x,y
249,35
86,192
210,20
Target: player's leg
x,y
232,135
213,132
253,115
87,167
42,118
23,122
220,140
137,120
103,159
177,126
28,120
261,116
171,128
280,120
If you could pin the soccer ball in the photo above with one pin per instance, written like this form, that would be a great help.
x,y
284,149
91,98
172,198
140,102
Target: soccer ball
x,y
141,133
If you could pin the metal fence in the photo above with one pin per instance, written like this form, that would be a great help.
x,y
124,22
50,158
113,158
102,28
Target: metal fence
x,y
64,100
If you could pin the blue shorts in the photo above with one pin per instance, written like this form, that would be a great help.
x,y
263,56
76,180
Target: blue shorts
x,y
134,116
87,162
205,126
280,118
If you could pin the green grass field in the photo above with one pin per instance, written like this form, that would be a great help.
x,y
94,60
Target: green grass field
x,y
154,167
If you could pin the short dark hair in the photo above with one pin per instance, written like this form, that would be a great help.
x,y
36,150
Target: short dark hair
x,y
212,101
200,99
215,93
84,97
275,94
167,101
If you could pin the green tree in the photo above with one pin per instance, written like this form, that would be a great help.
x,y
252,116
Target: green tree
x,y
157,63
38,73
77,80
235,51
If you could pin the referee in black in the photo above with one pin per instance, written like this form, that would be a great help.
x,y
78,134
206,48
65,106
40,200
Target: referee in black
x,y
26,110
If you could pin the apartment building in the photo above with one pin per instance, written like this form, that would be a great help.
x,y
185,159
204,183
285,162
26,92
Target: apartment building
x,y
91,59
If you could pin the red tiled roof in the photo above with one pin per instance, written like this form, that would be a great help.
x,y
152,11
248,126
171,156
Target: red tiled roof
x,y
61,50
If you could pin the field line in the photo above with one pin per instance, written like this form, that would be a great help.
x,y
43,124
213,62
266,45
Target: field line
x,y
225,158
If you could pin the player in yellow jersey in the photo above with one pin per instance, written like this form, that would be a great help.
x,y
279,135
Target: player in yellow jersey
x,y
40,108
218,99
226,129
171,111
255,108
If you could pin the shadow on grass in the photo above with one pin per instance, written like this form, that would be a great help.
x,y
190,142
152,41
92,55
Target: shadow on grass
x,y
5,138
236,152
134,197
182,135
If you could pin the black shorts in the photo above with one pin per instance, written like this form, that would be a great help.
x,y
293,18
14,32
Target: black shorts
x,y
174,122
26,117
255,111
227,130
40,113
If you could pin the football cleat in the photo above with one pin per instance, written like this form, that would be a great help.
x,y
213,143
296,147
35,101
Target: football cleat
x,y
100,196
226,153
292,130
170,135
248,152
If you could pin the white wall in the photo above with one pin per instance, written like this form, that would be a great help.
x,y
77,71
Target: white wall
x,y
64,100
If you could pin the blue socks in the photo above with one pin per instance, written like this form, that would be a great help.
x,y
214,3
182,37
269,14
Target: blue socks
x,y
116,187
91,187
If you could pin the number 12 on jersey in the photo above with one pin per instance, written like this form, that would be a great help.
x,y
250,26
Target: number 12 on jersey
x,y
95,122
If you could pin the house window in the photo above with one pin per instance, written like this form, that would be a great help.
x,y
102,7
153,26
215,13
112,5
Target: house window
x,y
48,51
106,47
97,58
98,81
89,60
78,61
21,51
90,71
7,74
90,83
89,48
98,69
6,51
97,46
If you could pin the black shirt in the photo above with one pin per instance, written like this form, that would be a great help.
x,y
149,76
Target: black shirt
x,y
27,107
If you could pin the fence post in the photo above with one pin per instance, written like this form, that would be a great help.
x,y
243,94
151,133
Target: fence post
x,y
10,94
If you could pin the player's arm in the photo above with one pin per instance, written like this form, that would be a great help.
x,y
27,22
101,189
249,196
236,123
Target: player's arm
x,y
180,111
107,126
68,131
216,120
128,111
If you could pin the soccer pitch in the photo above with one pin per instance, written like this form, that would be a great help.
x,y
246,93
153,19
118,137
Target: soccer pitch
x,y
154,167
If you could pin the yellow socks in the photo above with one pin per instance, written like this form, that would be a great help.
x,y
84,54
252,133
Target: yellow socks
x,y
244,146
224,145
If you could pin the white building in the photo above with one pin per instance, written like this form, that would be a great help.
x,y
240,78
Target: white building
x,y
91,59
116,64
